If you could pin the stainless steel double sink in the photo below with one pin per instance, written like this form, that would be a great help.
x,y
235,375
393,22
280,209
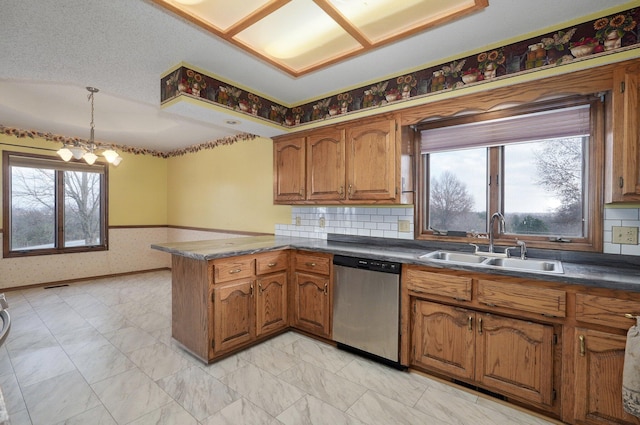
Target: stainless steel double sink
x,y
492,261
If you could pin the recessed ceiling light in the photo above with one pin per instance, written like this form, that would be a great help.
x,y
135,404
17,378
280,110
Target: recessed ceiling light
x,y
232,122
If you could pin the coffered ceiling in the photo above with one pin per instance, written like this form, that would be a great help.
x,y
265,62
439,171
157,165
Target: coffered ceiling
x,y
52,49
302,36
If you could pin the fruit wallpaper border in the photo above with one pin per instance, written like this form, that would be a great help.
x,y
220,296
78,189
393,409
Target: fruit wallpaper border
x,y
595,38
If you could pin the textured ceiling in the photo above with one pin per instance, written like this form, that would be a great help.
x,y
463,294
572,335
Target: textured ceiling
x,y
52,49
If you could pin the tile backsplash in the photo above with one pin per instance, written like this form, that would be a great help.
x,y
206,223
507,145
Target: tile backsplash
x,y
385,222
317,222
620,217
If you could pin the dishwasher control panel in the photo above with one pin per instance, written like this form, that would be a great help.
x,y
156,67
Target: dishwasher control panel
x,y
367,264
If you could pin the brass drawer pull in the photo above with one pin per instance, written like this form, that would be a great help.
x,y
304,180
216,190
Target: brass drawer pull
x,y
260,288
326,289
272,264
310,264
251,291
630,316
583,348
234,271
480,326
470,323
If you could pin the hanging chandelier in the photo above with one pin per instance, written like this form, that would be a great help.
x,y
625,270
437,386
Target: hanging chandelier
x,y
87,149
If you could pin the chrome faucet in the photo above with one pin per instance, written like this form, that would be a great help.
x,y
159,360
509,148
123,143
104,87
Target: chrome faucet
x,y
501,225
523,249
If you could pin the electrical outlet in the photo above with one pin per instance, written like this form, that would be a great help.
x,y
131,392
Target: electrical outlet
x,y
625,235
321,222
298,221
404,226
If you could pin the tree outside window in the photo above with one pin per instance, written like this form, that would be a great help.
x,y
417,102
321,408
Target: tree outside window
x,y
536,167
52,206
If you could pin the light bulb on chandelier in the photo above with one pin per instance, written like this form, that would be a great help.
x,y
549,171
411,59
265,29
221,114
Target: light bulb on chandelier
x,y
86,150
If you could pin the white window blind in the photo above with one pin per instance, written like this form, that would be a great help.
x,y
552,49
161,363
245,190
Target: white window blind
x,y
558,123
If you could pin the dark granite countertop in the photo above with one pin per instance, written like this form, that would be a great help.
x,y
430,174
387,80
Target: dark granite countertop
x,y
599,270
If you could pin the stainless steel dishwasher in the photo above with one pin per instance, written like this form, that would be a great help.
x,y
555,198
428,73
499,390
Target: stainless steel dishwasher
x,y
366,307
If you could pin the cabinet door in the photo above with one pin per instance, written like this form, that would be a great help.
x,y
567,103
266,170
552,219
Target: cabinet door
x,y
233,314
625,152
325,166
371,161
289,170
443,338
599,361
311,303
271,303
515,357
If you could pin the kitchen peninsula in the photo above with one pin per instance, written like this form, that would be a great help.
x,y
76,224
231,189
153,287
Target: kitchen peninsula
x,y
233,293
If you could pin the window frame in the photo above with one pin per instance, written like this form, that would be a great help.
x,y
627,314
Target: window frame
x,y
60,167
594,186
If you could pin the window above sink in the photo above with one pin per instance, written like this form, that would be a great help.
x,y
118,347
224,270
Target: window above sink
x,y
537,164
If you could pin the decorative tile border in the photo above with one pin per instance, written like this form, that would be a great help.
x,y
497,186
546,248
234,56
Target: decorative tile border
x,y
20,133
591,39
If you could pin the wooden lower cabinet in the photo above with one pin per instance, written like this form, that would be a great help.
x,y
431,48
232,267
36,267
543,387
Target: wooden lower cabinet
x,y
223,305
271,303
234,314
312,293
311,303
246,309
599,360
511,356
443,338
515,357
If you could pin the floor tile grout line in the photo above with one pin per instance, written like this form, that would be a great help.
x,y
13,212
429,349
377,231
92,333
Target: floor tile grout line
x,y
132,289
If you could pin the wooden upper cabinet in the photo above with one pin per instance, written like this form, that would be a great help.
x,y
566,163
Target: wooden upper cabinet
x,y
358,162
326,165
371,161
623,153
289,170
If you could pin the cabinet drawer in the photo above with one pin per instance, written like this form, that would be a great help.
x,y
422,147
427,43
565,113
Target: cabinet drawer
x,y
546,301
314,263
423,282
232,269
606,311
271,262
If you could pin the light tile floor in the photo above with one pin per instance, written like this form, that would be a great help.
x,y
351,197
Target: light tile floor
x,y
101,353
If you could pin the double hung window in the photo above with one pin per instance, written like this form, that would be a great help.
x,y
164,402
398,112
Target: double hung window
x,y
51,206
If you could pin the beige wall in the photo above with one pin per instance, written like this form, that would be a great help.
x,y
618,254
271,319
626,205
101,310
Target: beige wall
x,y
229,188
138,191
137,197
137,187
